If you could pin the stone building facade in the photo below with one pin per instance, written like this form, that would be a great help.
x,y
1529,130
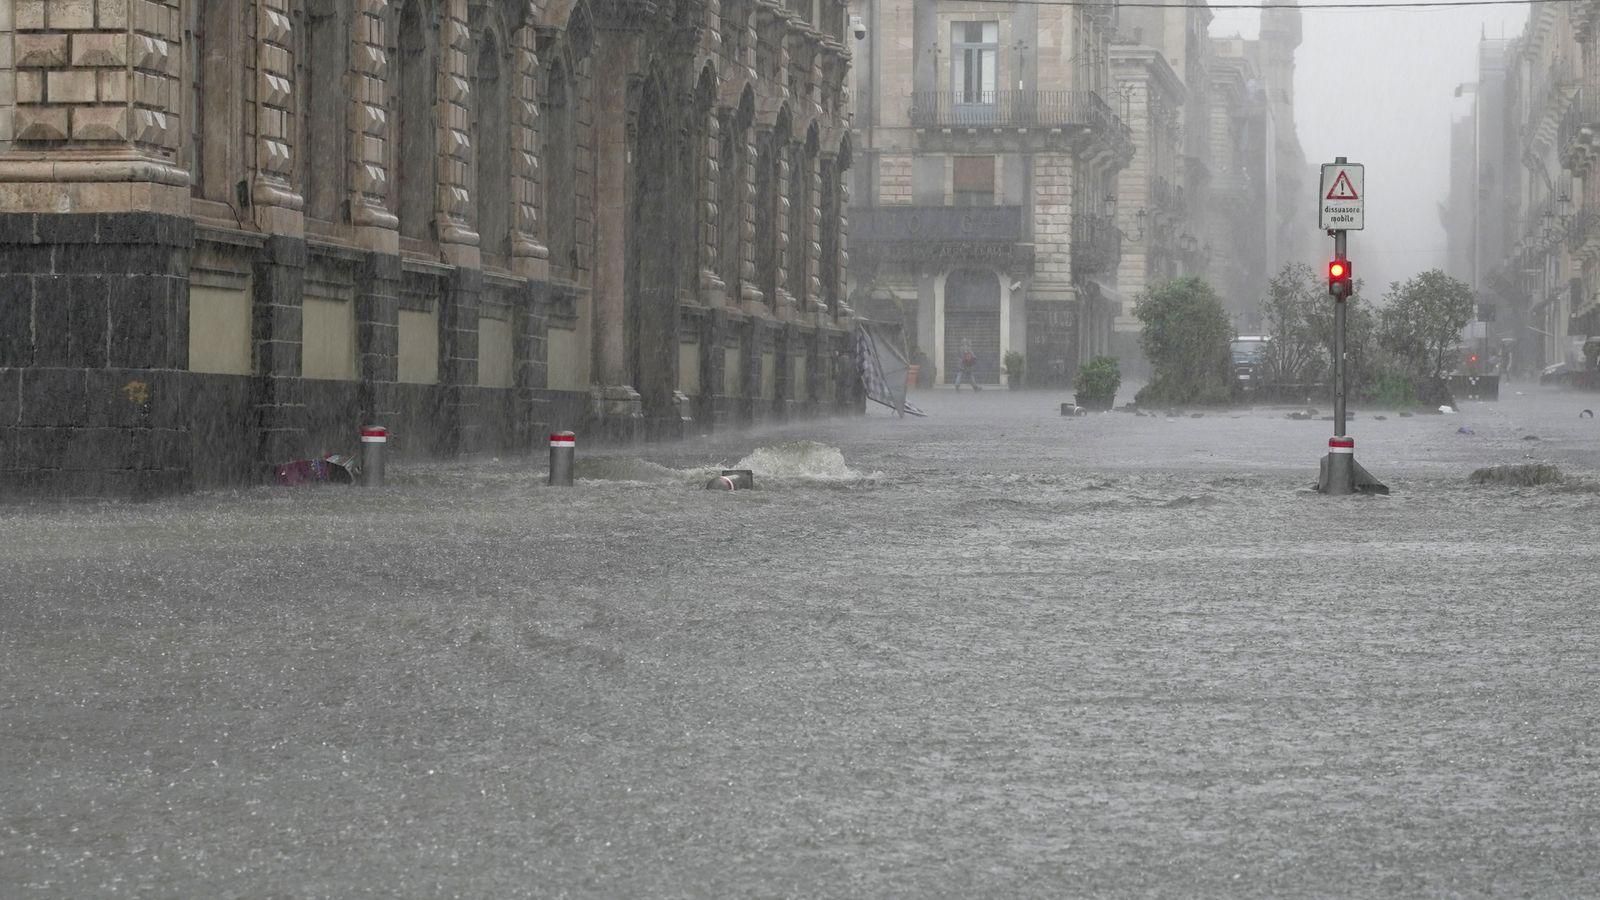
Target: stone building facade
x,y
1160,64
233,231
989,154
1524,205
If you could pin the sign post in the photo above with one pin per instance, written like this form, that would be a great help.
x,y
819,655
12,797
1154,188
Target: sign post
x,y
1341,202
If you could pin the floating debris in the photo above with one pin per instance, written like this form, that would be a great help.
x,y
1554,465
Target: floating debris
x,y
1518,476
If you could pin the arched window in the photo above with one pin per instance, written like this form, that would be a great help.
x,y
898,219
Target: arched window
x,y
491,148
216,123
412,125
324,81
560,175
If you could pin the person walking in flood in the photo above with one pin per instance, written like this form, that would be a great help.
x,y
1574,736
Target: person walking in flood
x,y
969,362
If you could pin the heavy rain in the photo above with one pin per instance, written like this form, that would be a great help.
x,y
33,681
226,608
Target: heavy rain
x,y
799,448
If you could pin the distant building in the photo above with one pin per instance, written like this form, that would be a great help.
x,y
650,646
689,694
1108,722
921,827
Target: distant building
x,y
985,208
1160,65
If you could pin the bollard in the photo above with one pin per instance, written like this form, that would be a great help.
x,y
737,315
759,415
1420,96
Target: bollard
x,y
373,439
563,447
733,480
1341,465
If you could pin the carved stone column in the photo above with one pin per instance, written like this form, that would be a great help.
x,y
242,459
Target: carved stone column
x,y
276,201
530,257
453,196
614,60
369,126
713,289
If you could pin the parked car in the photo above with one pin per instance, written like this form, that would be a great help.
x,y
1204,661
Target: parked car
x,y
1249,361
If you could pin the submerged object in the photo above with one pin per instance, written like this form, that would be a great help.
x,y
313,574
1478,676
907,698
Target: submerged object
x,y
733,480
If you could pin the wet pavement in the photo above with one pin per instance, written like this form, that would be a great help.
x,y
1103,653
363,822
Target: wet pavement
x,y
995,652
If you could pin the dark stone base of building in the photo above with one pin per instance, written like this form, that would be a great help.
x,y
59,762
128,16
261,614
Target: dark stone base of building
x,y
99,396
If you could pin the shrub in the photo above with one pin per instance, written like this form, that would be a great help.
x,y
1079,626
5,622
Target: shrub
x,y
1015,364
1097,383
1187,338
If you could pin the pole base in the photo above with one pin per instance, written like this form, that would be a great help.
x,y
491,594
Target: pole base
x,y
1340,474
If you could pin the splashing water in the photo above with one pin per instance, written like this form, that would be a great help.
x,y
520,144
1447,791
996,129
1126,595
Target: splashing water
x,y
801,461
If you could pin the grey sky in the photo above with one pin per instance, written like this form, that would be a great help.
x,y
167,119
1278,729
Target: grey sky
x,y
1377,86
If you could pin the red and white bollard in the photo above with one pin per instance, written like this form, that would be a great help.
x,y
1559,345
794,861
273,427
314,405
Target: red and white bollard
x,y
373,439
563,448
1341,464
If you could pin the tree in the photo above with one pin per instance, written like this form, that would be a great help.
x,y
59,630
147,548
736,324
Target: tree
x,y
1296,354
1422,320
1186,337
1299,317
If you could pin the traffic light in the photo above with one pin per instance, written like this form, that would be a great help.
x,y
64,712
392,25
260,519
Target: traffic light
x,y
1339,278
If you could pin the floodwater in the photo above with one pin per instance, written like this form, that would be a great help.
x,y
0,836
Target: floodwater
x,y
991,653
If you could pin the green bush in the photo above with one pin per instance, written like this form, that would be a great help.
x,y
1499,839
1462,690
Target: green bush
x,y
1394,390
1015,364
1187,337
1097,383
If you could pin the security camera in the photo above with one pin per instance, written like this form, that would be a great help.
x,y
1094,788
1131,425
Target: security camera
x,y
858,28
1016,285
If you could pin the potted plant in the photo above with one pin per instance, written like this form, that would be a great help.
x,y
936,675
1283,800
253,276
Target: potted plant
x,y
1015,364
1098,380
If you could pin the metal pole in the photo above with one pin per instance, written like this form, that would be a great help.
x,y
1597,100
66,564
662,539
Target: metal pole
x,y
373,439
1338,345
563,447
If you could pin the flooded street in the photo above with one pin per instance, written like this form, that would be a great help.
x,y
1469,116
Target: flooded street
x,y
994,652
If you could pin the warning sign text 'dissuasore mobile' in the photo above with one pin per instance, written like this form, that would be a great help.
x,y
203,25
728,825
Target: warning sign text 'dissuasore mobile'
x,y
1341,196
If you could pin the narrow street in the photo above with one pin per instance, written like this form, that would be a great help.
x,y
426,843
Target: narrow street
x,y
994,652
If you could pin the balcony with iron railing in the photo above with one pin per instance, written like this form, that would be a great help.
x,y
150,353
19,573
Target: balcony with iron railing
x,y
938,233
1096,245
1010,109
1166,196
1578,139
1583,234
879,224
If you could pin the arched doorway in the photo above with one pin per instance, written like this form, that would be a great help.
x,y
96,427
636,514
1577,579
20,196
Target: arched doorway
x,y
972,317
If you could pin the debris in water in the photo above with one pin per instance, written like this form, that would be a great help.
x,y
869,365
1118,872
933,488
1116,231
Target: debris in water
x,y
335,467
1518,476
1465,429
1300,416
1530,437
1197,415
1406,415
1380,418
1586,414
1446,409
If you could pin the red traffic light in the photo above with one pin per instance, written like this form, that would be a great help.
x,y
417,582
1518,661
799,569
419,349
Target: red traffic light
x,y
1339,278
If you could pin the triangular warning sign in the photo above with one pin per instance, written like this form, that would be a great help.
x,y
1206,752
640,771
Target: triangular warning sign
x,y
1341,189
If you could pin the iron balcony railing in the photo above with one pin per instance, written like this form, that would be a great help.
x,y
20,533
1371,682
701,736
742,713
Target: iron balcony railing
x,y
1581,228
1096,245
1582,115
944,224
1011,109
